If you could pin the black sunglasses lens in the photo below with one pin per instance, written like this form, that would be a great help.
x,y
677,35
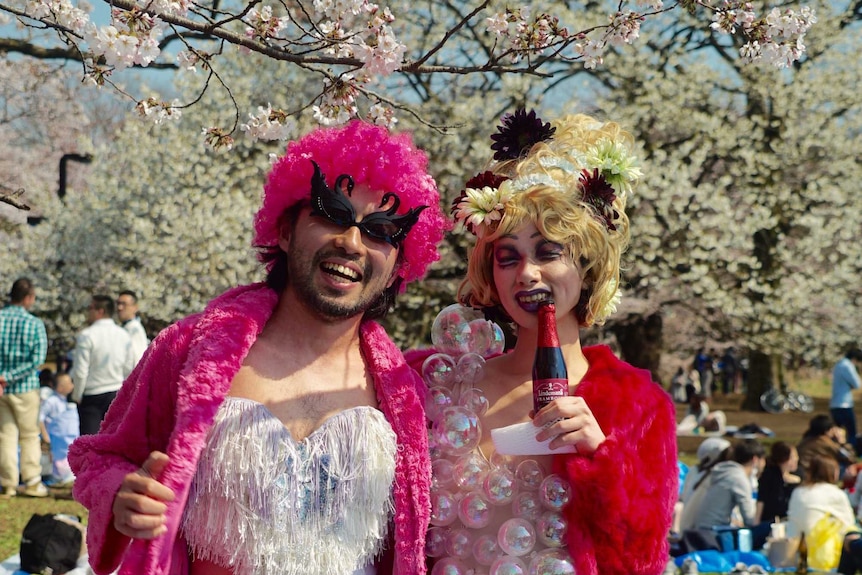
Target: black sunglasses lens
x,y
381,230
338,216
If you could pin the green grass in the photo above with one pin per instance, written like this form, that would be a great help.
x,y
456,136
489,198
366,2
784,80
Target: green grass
x,y
17,511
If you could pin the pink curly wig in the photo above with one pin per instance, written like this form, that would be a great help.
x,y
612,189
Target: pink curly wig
x,y
372,156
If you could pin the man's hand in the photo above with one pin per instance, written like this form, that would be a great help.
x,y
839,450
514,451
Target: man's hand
x,y
139,507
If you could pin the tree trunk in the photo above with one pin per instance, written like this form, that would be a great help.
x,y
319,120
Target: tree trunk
x,y
761,377
641,342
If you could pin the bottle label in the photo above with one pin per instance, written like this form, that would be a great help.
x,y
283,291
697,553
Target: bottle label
x,y
547,390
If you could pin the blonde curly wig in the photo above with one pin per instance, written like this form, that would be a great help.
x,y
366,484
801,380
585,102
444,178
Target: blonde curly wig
x,y
549,194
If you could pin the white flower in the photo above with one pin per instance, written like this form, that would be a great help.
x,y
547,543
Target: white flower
x,y
624,29
331,115
382,116
592,52
383,58
498,24
611,307
159,112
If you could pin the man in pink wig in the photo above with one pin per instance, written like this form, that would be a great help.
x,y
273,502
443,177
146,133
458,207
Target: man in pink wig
x,y
280,430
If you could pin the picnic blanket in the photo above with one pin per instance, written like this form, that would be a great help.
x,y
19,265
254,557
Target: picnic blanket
x,y
11,566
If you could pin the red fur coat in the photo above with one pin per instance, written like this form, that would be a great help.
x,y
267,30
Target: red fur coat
x,y
623,494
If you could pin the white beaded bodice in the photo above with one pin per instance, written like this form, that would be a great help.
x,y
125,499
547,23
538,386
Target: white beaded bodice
x,y
264,504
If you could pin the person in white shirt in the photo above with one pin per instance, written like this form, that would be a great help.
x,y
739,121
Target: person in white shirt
x,y
102,360
817,496
127,312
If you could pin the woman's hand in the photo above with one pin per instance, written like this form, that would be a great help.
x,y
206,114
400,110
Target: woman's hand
x,y
569,421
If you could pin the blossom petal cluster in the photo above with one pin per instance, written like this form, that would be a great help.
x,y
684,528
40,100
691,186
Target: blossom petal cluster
x,y
338,103
523,34
132,39
263,24
269,124
775,40
159,112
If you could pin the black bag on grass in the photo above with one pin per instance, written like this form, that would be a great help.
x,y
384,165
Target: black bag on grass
x,y
50,542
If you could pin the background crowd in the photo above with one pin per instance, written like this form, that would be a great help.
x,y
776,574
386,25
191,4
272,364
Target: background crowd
x,y
42,406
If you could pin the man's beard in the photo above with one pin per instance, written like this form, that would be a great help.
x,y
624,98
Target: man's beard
x,y
335,305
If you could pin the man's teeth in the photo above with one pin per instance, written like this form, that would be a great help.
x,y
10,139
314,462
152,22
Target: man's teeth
x,y
341,270
534,298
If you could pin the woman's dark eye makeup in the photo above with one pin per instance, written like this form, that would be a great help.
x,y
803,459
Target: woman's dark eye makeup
x,y
549,250
544,250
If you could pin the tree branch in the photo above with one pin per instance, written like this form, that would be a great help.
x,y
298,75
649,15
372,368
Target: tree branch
x,y
12,197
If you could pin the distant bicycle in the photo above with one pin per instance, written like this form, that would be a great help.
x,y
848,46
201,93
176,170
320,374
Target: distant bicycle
x,y
779,400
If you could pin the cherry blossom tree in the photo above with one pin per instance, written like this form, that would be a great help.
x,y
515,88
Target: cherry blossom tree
x,y
171,218
363,55
39,122
749,215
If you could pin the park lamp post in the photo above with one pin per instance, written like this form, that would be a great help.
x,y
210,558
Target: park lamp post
x,y
61,190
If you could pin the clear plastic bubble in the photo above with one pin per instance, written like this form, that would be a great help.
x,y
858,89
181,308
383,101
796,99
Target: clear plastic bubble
x,y
471,368
498,341
486,550
444,508
507,461
555,492
474,400
436,400
457,430
551,529
529,475
442,474
438,370
552,562
526,505
516,537
459,544
499,486
482,332
450,566
474,510
470,471
508,566
433,446
450,332
435,542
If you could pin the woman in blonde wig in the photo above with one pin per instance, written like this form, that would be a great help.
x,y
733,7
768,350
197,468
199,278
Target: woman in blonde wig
x,y
550,223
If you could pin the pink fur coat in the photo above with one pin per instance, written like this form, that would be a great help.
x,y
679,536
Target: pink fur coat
x,y
169,403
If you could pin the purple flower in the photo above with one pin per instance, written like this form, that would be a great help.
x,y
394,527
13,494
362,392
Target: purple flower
x,y
518,133
599,194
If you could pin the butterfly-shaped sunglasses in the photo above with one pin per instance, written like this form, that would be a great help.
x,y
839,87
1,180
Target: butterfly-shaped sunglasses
x,y
332,204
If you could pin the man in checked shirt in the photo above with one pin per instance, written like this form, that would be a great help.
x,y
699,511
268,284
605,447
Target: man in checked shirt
x,y
23,346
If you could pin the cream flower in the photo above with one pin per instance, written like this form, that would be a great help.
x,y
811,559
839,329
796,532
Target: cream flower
x,y
480,207
613,160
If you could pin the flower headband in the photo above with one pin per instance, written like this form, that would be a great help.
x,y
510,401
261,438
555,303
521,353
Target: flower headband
x,y
605,170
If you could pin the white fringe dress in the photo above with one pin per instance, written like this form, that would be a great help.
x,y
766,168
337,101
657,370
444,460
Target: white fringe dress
x,y
264,504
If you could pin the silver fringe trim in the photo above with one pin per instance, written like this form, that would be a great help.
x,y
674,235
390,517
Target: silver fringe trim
x,y
264,504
